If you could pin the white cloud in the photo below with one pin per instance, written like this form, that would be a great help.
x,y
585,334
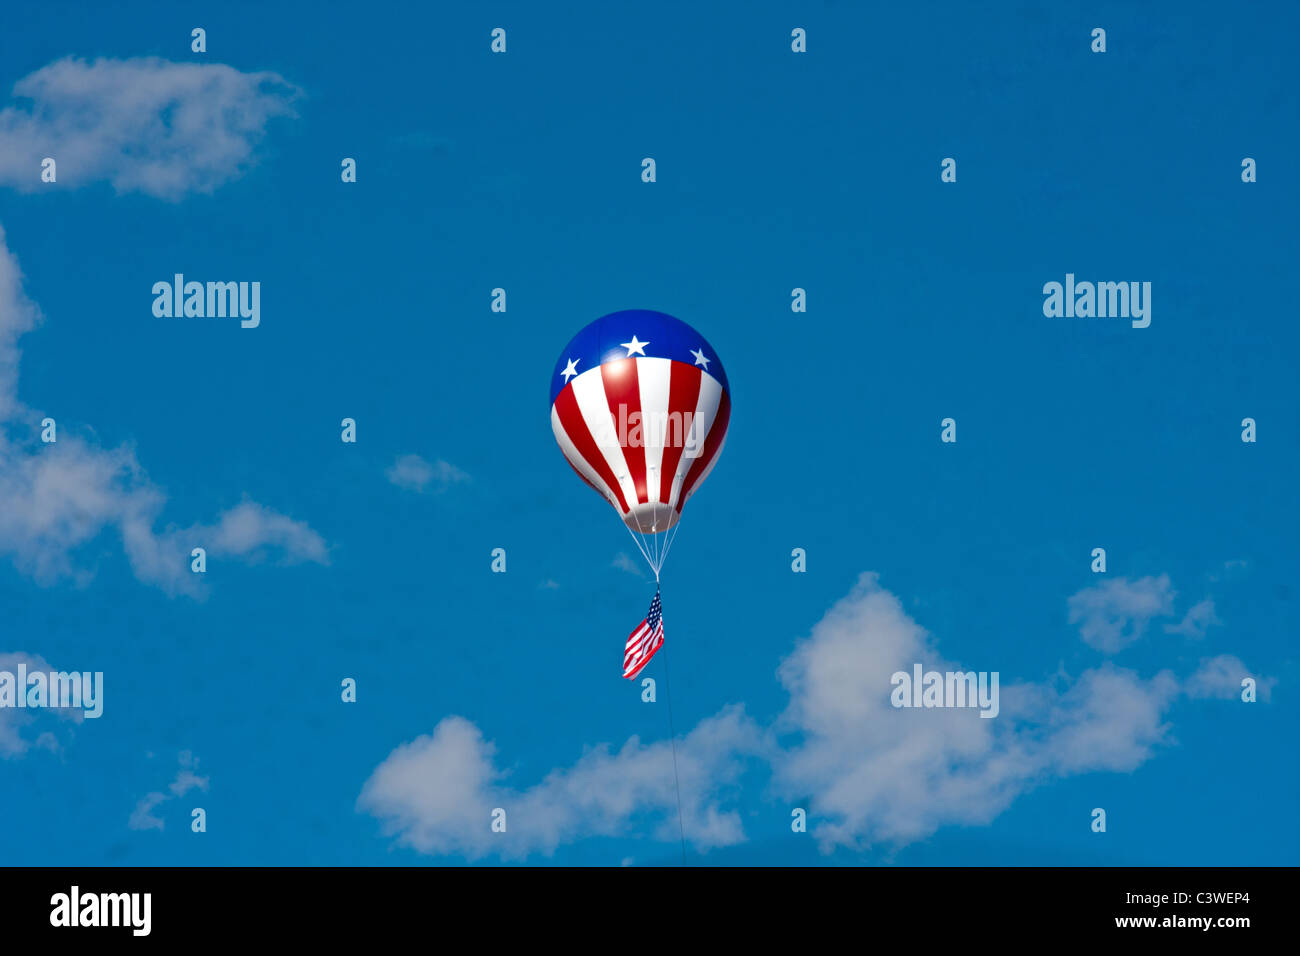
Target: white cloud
x,y
1115,613
250,529
1198,619
625,563
1110,719
13,741
1220,677
874,773
144,125
18,314
62,496
868,773
415,474
143,816
436,794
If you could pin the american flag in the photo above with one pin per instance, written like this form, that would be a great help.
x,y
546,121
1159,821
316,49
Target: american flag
x,y
645,640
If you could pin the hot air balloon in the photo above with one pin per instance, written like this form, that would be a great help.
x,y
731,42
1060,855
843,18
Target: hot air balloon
x,y
640,406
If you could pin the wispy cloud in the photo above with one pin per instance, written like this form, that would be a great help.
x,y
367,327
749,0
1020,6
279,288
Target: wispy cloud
x,y
624,563
62,496
144,125
1115,613
144,817
1199,618
18,315
415,474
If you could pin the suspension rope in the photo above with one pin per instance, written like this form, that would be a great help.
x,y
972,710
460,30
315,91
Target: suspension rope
x,y
639,545
671,536
653,545
645,549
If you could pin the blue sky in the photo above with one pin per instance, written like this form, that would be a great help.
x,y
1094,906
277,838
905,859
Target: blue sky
x,y
775,170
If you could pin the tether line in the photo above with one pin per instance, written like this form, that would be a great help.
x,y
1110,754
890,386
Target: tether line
x,y
668,685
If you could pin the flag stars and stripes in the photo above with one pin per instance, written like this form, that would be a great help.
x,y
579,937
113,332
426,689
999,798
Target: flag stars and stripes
x,y
570,370
699,358
643,642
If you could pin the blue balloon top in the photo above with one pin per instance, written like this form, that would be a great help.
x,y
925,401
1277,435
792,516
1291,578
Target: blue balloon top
x,y
635,332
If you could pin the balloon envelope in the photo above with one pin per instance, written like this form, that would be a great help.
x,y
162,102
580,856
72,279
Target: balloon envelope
x,y
640,406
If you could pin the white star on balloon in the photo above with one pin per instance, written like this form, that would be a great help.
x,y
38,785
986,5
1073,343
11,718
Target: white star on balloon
x,y
700,359
634,347
570,370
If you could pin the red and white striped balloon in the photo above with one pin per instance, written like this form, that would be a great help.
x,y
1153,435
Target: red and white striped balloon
x,y
640,407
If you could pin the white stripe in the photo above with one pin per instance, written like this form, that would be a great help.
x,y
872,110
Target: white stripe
x,y
649,643
637,637
652,378
575,458
642,659
589,390
706,409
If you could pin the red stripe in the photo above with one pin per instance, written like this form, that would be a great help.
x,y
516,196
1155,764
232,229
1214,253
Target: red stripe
x,y
633,653
635,667
635,638
711,445
683,397
566,406
657,643
622,387
635,647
